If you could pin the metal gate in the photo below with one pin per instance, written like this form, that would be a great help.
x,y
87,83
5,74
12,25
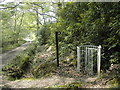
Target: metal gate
x,y
89,59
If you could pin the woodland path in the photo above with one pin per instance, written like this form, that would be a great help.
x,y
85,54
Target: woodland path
x,y
64,75
6,57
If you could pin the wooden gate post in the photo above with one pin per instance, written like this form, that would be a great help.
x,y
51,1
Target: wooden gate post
x,y
86,59
78,58
57,54
99,60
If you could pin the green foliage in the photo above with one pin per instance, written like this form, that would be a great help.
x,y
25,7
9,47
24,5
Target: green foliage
x,y
79,23
116,72
13,71
17,67
111,76
70,86
90,23
44,34
43,65
44,69
86,23
16,24
74,85
7,46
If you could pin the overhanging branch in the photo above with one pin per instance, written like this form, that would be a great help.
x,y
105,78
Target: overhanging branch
x,y
48,15
11,7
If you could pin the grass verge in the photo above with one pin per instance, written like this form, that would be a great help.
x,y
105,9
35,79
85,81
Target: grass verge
x,y
19,65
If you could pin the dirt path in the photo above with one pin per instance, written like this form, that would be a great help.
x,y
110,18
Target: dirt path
x,y
11,54
6,57
62,76
40,83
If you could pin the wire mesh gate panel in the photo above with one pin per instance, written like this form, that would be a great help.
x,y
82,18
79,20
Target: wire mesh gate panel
x,y
89,59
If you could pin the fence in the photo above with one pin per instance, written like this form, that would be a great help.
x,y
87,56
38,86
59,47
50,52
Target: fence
x,y
89,59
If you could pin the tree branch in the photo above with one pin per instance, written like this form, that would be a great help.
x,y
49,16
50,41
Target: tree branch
x,y
37,5
11,7
48,15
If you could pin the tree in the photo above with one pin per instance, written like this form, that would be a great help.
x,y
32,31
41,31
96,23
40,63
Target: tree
x,y
91,23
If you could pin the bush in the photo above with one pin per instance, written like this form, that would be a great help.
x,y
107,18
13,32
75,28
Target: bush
x,y
17,67
13,71
115,72
7,46
44,69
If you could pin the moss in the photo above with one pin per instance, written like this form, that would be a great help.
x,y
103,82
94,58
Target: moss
x,y
30,78
74,85
68,86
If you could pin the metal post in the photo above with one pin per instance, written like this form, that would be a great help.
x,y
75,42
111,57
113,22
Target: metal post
x,y
57,54
78,58
99,60
88,65
92,61
86,61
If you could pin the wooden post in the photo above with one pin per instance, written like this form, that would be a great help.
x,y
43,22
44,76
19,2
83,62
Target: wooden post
x,y
92,61
99,60
86,61
78,58
57,54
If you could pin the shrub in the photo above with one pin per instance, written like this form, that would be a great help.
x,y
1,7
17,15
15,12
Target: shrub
x,y
17,67
44,69
13,71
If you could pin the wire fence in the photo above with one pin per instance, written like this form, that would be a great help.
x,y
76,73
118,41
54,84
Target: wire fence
x,y
89,59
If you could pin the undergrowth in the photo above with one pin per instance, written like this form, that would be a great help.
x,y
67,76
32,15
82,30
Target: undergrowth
x,y
24,62
44,66
44,69
9,47
17,67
